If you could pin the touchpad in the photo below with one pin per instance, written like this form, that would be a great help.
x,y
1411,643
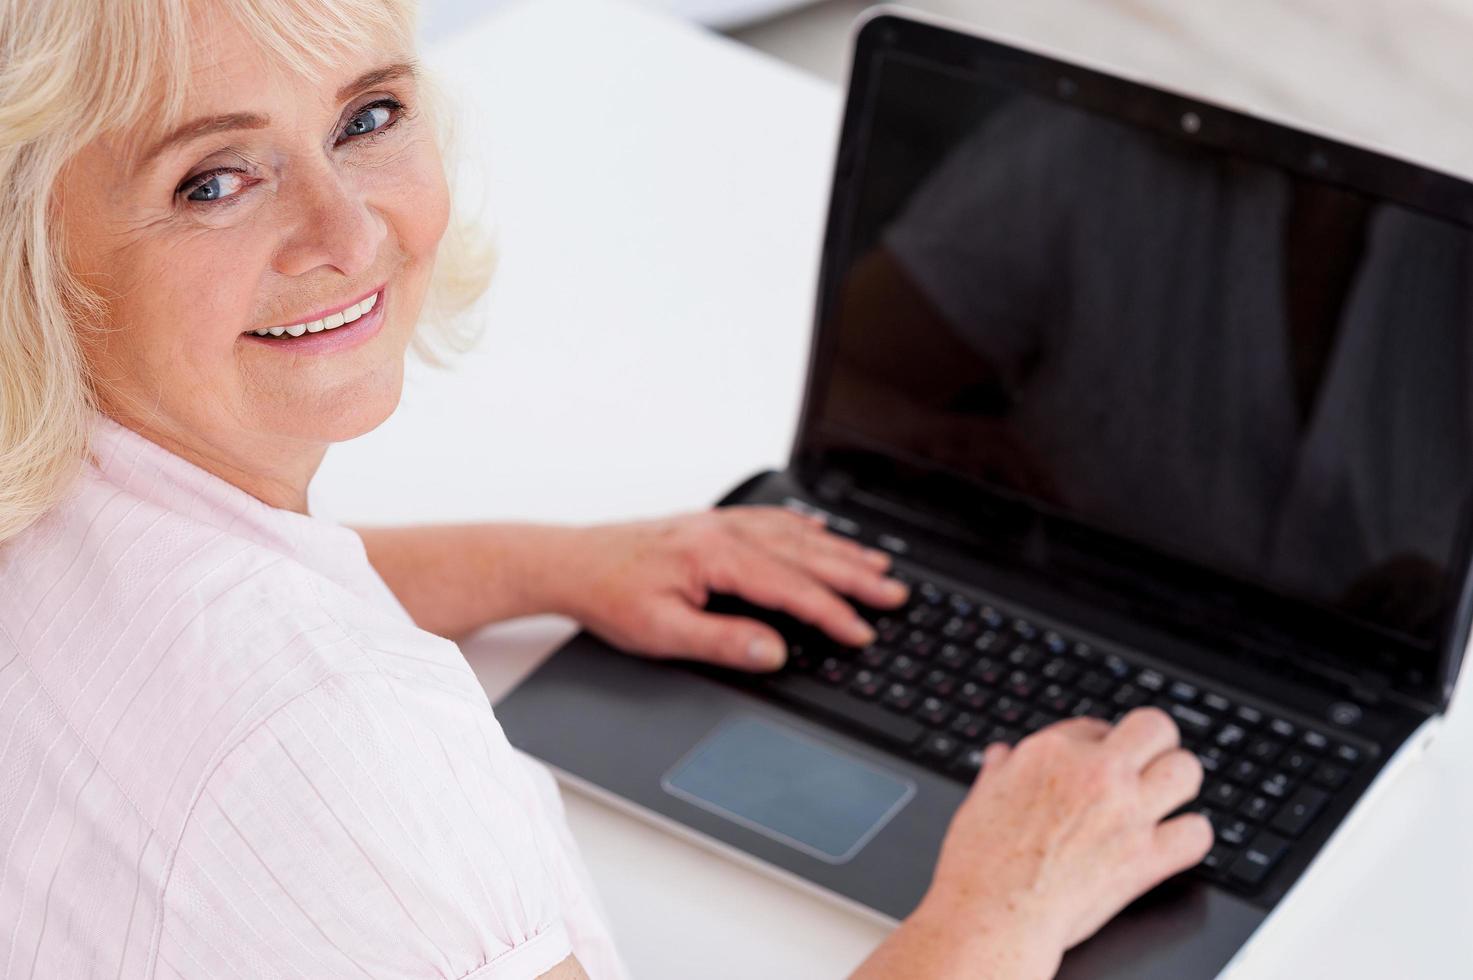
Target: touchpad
x,y
788,786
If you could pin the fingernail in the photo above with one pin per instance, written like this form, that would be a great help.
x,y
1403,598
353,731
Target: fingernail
x,y
879,558
896,589
763,652
864,634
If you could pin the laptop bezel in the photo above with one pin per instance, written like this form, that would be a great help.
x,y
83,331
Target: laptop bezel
x,y
889,31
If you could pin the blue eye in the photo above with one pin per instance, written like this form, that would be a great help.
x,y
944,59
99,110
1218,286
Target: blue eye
x,y
370,119
216,187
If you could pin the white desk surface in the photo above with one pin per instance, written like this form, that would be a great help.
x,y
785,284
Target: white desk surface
x,y
658,195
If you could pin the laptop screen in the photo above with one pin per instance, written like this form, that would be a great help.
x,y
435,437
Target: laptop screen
x,y
1254,369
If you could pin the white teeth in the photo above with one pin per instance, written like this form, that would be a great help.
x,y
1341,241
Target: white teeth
x,y
330,322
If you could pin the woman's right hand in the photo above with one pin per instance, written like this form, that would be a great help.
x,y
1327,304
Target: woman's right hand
x,y
1055,837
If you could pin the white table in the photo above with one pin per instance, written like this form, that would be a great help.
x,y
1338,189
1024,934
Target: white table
x,y
658,195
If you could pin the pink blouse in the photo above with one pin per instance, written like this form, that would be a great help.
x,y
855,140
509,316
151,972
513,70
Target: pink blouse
x,y
227,751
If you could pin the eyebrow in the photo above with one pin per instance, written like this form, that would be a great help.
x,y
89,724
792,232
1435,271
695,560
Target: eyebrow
x,y
208,125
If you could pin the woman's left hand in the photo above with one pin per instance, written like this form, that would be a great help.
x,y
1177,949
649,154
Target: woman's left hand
x,y
644,586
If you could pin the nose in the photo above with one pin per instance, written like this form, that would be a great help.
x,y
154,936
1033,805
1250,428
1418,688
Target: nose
x,y
331,225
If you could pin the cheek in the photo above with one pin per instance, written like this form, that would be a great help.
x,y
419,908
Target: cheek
x,y
173,324
417,206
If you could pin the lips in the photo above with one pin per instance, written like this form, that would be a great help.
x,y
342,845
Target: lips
x,y
330,320
329,331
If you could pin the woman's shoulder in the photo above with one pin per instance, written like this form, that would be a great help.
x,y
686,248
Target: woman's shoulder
x,y
154,636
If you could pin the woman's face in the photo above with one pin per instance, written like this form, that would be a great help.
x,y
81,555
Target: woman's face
x,y
279,205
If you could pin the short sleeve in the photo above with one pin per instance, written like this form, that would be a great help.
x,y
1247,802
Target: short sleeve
x,y
372,827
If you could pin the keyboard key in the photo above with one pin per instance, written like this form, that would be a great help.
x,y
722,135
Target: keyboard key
x,y
1264,750
1025,655
940,683
906,668
1277,785
968,763
1259,858
1218,858
1056,699
1224,795
1116,666
1347,754
899,697
1055,643
940,747
867,684
993,642
990,618
1021,685
1212,759
1095,684
1061,670
1331,776
1257,808
1192,722
876,657
1008,711
959,630
1213,701
970,727
1230,736
1085,653
1150,680
888,630
954,657
934,712
1250,717
1182,691
1295,762
989,672
918,645
840,705
1300,810
1314,741
973,695
833,670
1025,629
1234,832
1037,720
1243,771
1129,696
1282,729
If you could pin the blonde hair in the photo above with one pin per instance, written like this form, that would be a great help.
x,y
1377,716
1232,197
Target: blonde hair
x,y
73,70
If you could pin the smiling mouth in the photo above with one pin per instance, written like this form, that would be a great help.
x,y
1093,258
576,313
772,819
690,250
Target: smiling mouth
x,y
332,321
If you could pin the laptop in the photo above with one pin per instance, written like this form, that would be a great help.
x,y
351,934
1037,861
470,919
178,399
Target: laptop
x,y
1153,402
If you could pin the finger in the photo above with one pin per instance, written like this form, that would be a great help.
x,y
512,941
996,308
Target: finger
x,y
770,582
851,578
1181,843
1142,735
730,641
995,755
1083,728
1169,781
797,536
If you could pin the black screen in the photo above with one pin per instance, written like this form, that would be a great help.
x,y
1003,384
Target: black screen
x,y
1258,372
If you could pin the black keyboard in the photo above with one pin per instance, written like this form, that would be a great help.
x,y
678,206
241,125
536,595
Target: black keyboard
x,y
951,673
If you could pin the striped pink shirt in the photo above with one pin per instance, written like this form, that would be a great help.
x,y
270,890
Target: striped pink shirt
x,y
226,751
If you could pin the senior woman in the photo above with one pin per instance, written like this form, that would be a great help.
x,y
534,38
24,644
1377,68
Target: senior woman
x,y
234,739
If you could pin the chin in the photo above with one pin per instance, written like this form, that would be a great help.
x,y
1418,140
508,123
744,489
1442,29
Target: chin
x,y
347,411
